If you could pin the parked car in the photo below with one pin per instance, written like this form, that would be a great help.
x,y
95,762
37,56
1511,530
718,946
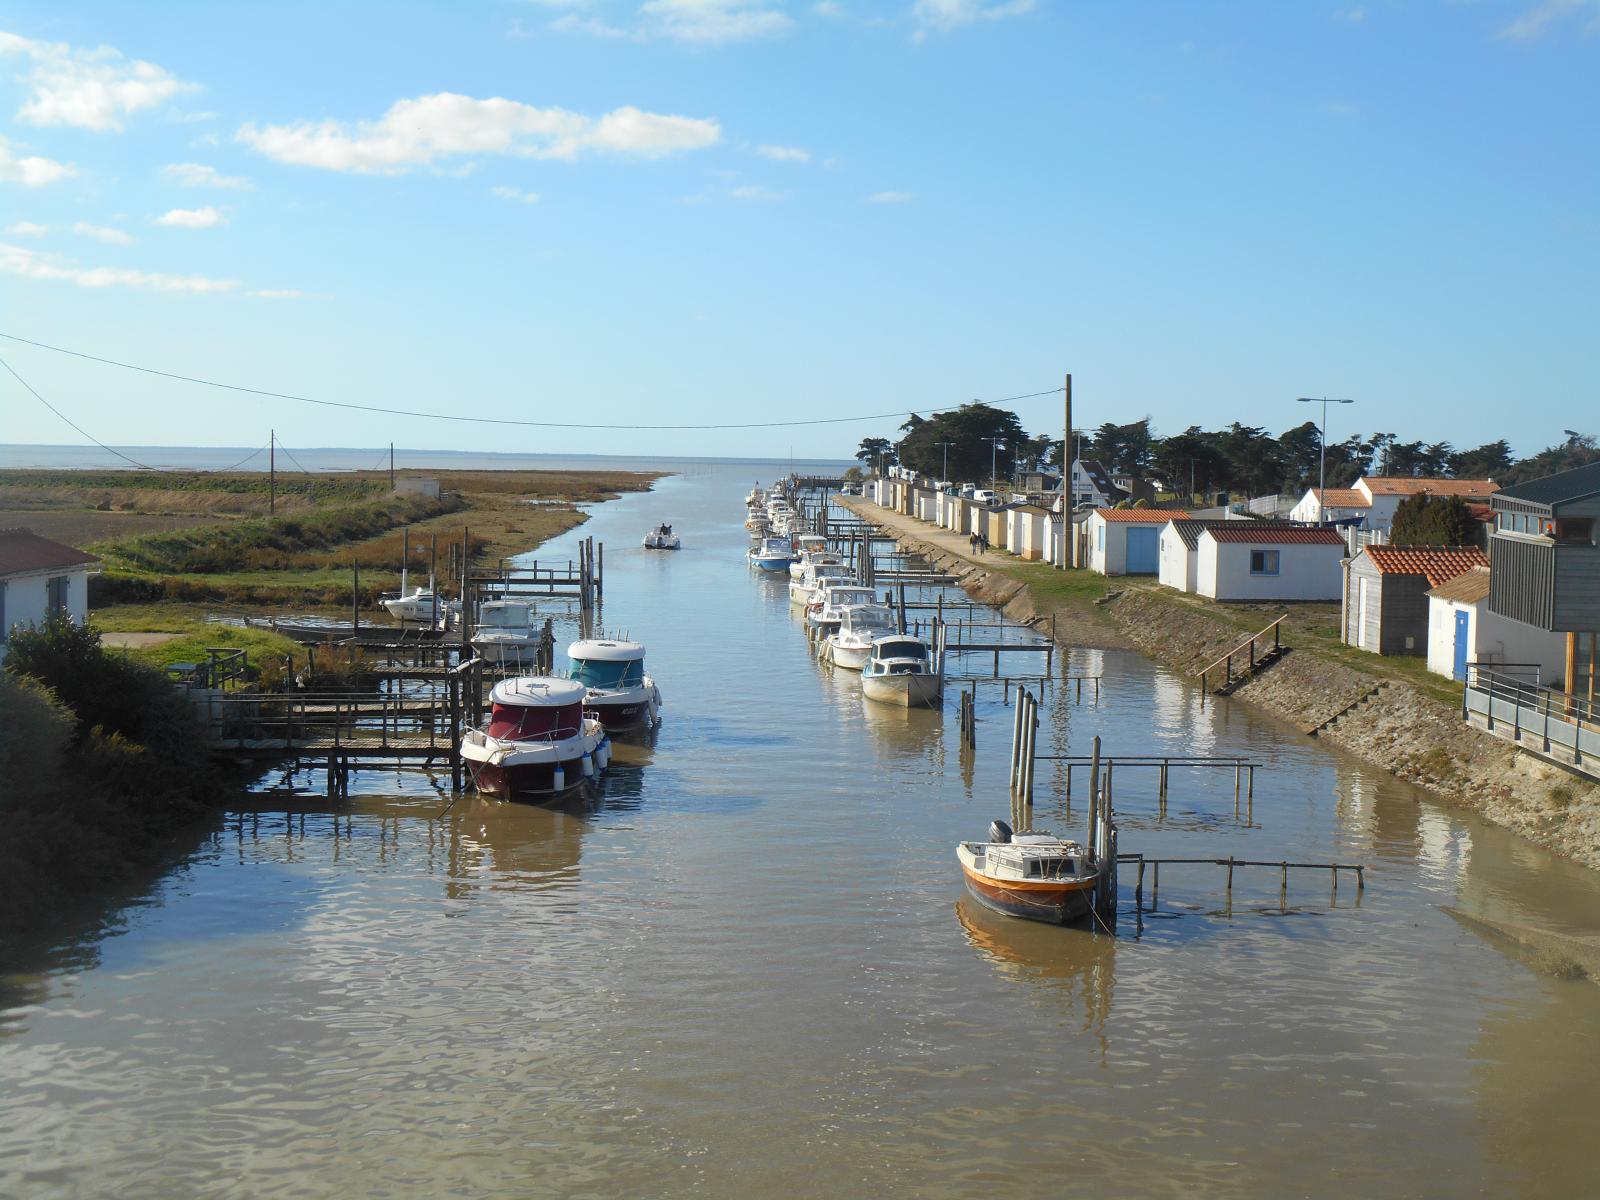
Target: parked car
x,y
983,496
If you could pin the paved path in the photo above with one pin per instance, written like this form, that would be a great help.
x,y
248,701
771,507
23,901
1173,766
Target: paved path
x,y
944,539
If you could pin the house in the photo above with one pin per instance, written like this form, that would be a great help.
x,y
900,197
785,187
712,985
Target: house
x,y
1028,530
1373,499
1127,541
1462,631
1384,600
1179,547
39,577
1261,560
1036,483
1091,485
1546,553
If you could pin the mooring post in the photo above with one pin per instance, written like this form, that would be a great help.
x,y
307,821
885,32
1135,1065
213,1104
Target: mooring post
x,y
1155,886
1138,888
355,597
1283,888
1016,739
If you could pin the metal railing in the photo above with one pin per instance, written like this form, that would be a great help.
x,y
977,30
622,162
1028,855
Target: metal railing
x,y
1524,712
1226,660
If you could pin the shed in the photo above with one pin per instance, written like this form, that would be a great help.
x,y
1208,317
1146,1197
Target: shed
x,y
1385,594
1259,560
1027,532
39,577
1463,631
1127,541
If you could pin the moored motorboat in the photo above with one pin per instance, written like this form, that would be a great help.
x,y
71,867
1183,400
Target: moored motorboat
x,y
662,538
415,604
538,741
772,554
860,625
505,632
823,612
900,670
809,587
618,692
1037,876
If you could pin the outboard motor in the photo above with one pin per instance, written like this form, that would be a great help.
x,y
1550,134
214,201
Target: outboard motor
x,y
999,831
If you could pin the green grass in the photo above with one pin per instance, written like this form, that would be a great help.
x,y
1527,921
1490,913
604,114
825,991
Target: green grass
x,y
263,648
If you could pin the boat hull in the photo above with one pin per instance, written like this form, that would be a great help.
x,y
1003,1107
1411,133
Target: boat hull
x,y
850,658
517,652
510,770
907,690
1051,902
772,564
633,709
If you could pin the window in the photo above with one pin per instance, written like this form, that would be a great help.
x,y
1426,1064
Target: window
x,y
1263,562
1574,531
1100,538
56,595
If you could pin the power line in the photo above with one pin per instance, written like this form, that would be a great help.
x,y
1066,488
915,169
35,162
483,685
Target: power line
x,y
71,422
292,458
433,416
245,459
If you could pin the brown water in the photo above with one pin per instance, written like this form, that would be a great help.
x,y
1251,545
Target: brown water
x,y
747,969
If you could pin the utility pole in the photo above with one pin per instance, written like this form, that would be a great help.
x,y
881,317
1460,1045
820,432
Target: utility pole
x,y
1322,452
945,476
272,471
391,466
994,459
1066,478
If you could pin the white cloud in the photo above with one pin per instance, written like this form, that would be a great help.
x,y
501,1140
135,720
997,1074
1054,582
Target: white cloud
x,y
712,22
90,89
945,15
191,174
1350,16
192,218
1541,18
890,198
417,132
784,153
588,26
752,191
29,169
277,293
103,233
516,194
27,229
30,264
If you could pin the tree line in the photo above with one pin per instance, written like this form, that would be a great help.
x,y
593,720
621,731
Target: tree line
x,y
973,441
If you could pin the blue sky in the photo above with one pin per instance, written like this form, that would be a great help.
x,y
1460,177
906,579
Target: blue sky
x,y
704,211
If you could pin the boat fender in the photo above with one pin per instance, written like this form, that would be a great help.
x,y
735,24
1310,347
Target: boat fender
x,y
602,755
999,831
587,764
558,779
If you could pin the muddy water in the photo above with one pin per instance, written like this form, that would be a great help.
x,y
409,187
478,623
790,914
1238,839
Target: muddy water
x,y
747,967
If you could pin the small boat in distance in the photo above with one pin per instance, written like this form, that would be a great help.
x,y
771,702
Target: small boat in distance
x,y
619,694
900,670
661,538
538,741
1036,876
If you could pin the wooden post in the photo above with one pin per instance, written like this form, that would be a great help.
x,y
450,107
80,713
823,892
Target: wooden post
x,y
272,472
355,597
433,579
1094,790
1572,668
1069,544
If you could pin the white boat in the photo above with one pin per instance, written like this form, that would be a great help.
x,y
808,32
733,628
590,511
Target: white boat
x,y
505,632
417,604
823,612
772,553
810,548
538,741
808,587
859,627
619,694
661,538
900,670
1036,876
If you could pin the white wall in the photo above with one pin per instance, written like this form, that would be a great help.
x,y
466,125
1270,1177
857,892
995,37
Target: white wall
x,y
1177,567
27,598
1442,633
1312,572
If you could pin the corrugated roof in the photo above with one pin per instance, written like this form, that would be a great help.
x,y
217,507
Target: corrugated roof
x,y
22,551
1405,485
1191,529
1143,516
1342,497
1468,587
1560,488
1259,533
1434,563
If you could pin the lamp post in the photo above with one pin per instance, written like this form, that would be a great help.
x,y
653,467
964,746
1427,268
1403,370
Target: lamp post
x,y
1322,451
994,458
945,475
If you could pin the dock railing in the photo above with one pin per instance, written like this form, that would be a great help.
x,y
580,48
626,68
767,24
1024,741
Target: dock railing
x,y
1248,646
1545,719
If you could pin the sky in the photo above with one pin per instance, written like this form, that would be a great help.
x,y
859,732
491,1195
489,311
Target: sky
x,y
715,212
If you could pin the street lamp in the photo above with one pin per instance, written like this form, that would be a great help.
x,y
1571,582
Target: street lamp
x,y
945,476
1322,451
994,457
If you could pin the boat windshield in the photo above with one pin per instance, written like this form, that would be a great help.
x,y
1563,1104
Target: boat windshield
x,y
503,616
909,648
867,619
594,673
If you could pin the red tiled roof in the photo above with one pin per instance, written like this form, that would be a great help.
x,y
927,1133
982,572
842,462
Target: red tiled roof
x,y
22,551
1434,563
1274,535
1402,485
1157,516
1342,497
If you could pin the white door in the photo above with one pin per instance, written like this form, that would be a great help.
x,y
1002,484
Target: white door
x,y
1361,615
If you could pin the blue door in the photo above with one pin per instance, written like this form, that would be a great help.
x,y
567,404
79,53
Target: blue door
x,y
1463,618
1144,551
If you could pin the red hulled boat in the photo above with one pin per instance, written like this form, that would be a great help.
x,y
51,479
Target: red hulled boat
x,y
538,741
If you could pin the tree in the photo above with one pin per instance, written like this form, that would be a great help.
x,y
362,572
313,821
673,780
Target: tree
x,y
1488,461
1123,449
968,430
1424,520
1300,450
877,453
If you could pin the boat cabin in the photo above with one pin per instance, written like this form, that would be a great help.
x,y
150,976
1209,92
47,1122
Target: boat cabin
x,y
532,708
606,664
863,619
900,655
505,614
1031,856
